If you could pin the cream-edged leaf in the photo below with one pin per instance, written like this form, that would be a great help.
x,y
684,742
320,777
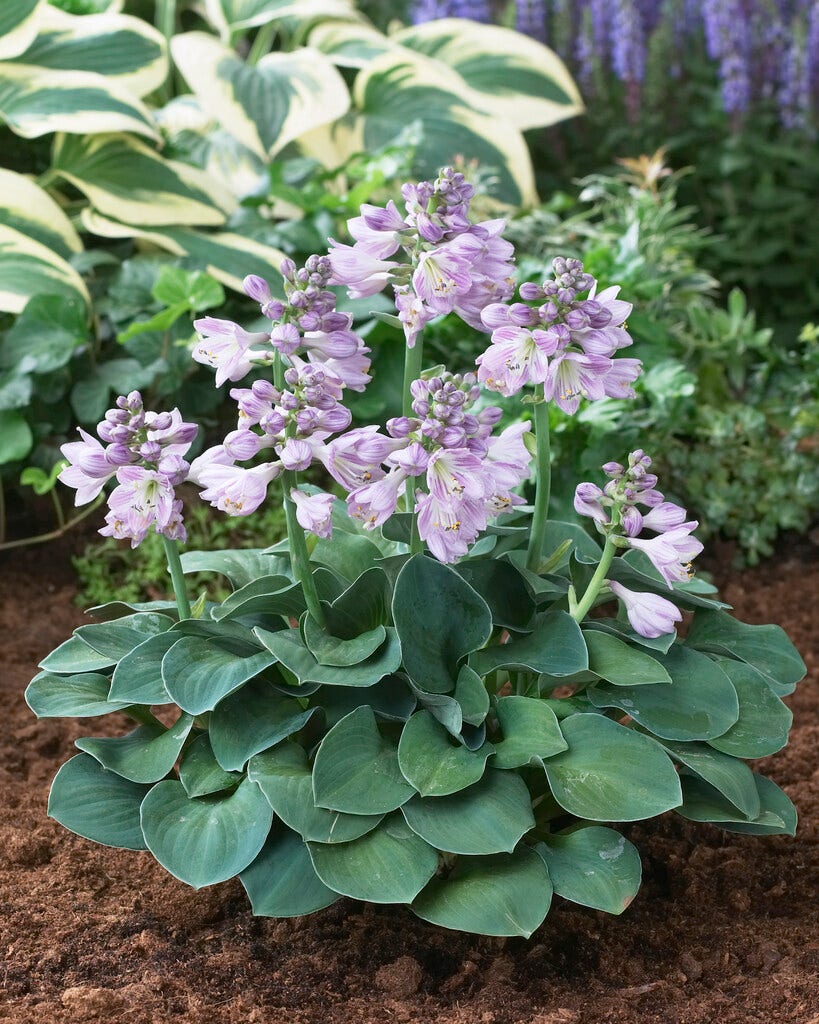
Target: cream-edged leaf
x,y
126,180
28,268
121,48
518,78
35,101
27,208
350,44
268,105
19,21
228,16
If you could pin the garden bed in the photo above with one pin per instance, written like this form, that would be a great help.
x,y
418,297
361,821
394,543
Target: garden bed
x,y
724,927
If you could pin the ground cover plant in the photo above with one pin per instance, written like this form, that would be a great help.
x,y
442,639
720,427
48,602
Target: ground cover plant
x,y
431,694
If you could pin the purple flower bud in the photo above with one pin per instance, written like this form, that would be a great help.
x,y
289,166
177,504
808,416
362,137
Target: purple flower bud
x,y
295,454
401,426
257,288
150,451
631,521
649,614
285,338
242,445
530,291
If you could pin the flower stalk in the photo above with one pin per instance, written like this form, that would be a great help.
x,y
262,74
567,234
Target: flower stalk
x,y
579,609
543,487
177,577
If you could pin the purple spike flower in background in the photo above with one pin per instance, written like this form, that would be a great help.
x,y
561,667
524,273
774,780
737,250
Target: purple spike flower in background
x,y
530,18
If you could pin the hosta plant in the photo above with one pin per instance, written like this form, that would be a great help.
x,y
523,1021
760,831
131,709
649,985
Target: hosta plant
x,y
431,694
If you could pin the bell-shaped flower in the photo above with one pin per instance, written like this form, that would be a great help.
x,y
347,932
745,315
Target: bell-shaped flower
x,y
227,347
449,527
314,512
670,553
649,614
90,467
374,503
235,490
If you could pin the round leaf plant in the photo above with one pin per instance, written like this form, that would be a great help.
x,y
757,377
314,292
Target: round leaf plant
x,y
430,694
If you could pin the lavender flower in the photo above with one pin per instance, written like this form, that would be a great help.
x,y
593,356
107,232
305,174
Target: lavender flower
x,y
313,512
530,18
649,614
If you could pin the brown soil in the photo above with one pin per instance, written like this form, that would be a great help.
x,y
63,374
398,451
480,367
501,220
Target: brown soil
x,y
725,927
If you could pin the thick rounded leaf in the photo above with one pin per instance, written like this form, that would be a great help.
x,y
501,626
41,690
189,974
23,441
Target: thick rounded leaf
x,y
207,839
269,595
529,731
81,696
290,649
503,895
361,607
28,268
489,817
555,646
435,764
116,639
198,672
138,676
764,721
127,180
97,804
145,755
620,663
702,802
285,779
282,882
594,866
518,79
253,719
267,105
440,619
767,648
240,567
699,704
732,777
356,768
74,656
388,865
619,628
503,588
330,650
200,773
391,699
611,773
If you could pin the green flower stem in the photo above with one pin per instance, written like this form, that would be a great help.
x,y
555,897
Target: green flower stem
x,y
413,364
166,23
177,577
262,43
299,556
579,610
543,487
141,715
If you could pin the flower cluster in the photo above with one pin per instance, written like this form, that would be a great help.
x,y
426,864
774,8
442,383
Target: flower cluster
x,y
468,474
448,264
670,549
144,451
564,343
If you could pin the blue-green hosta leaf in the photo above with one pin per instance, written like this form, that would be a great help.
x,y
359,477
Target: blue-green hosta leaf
x,y
37,101
19,22
400,87
361,607
390,698
116,639
433,763
29,209
28,268
239,567
503,588
594,866
732,777
388,865
201,774
145,755
517,78
330,650
79,696
635,570
198,672
356,769
764,721
285,779
619,628
267,105
767,648
138,676
268,595
530,732
503,895
489,817
440,619
251,720
348,554
74,656
610,773
555,646
208,839
702,802
97,804
282,882
699,703
125,179
289,648
619,663
126,50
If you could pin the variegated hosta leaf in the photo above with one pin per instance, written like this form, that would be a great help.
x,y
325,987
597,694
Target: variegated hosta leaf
x,y
227,16
19,20
126,180
518,78
28,209
400,87
29,268
35,101
123,49
350,44
227,257
265,106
